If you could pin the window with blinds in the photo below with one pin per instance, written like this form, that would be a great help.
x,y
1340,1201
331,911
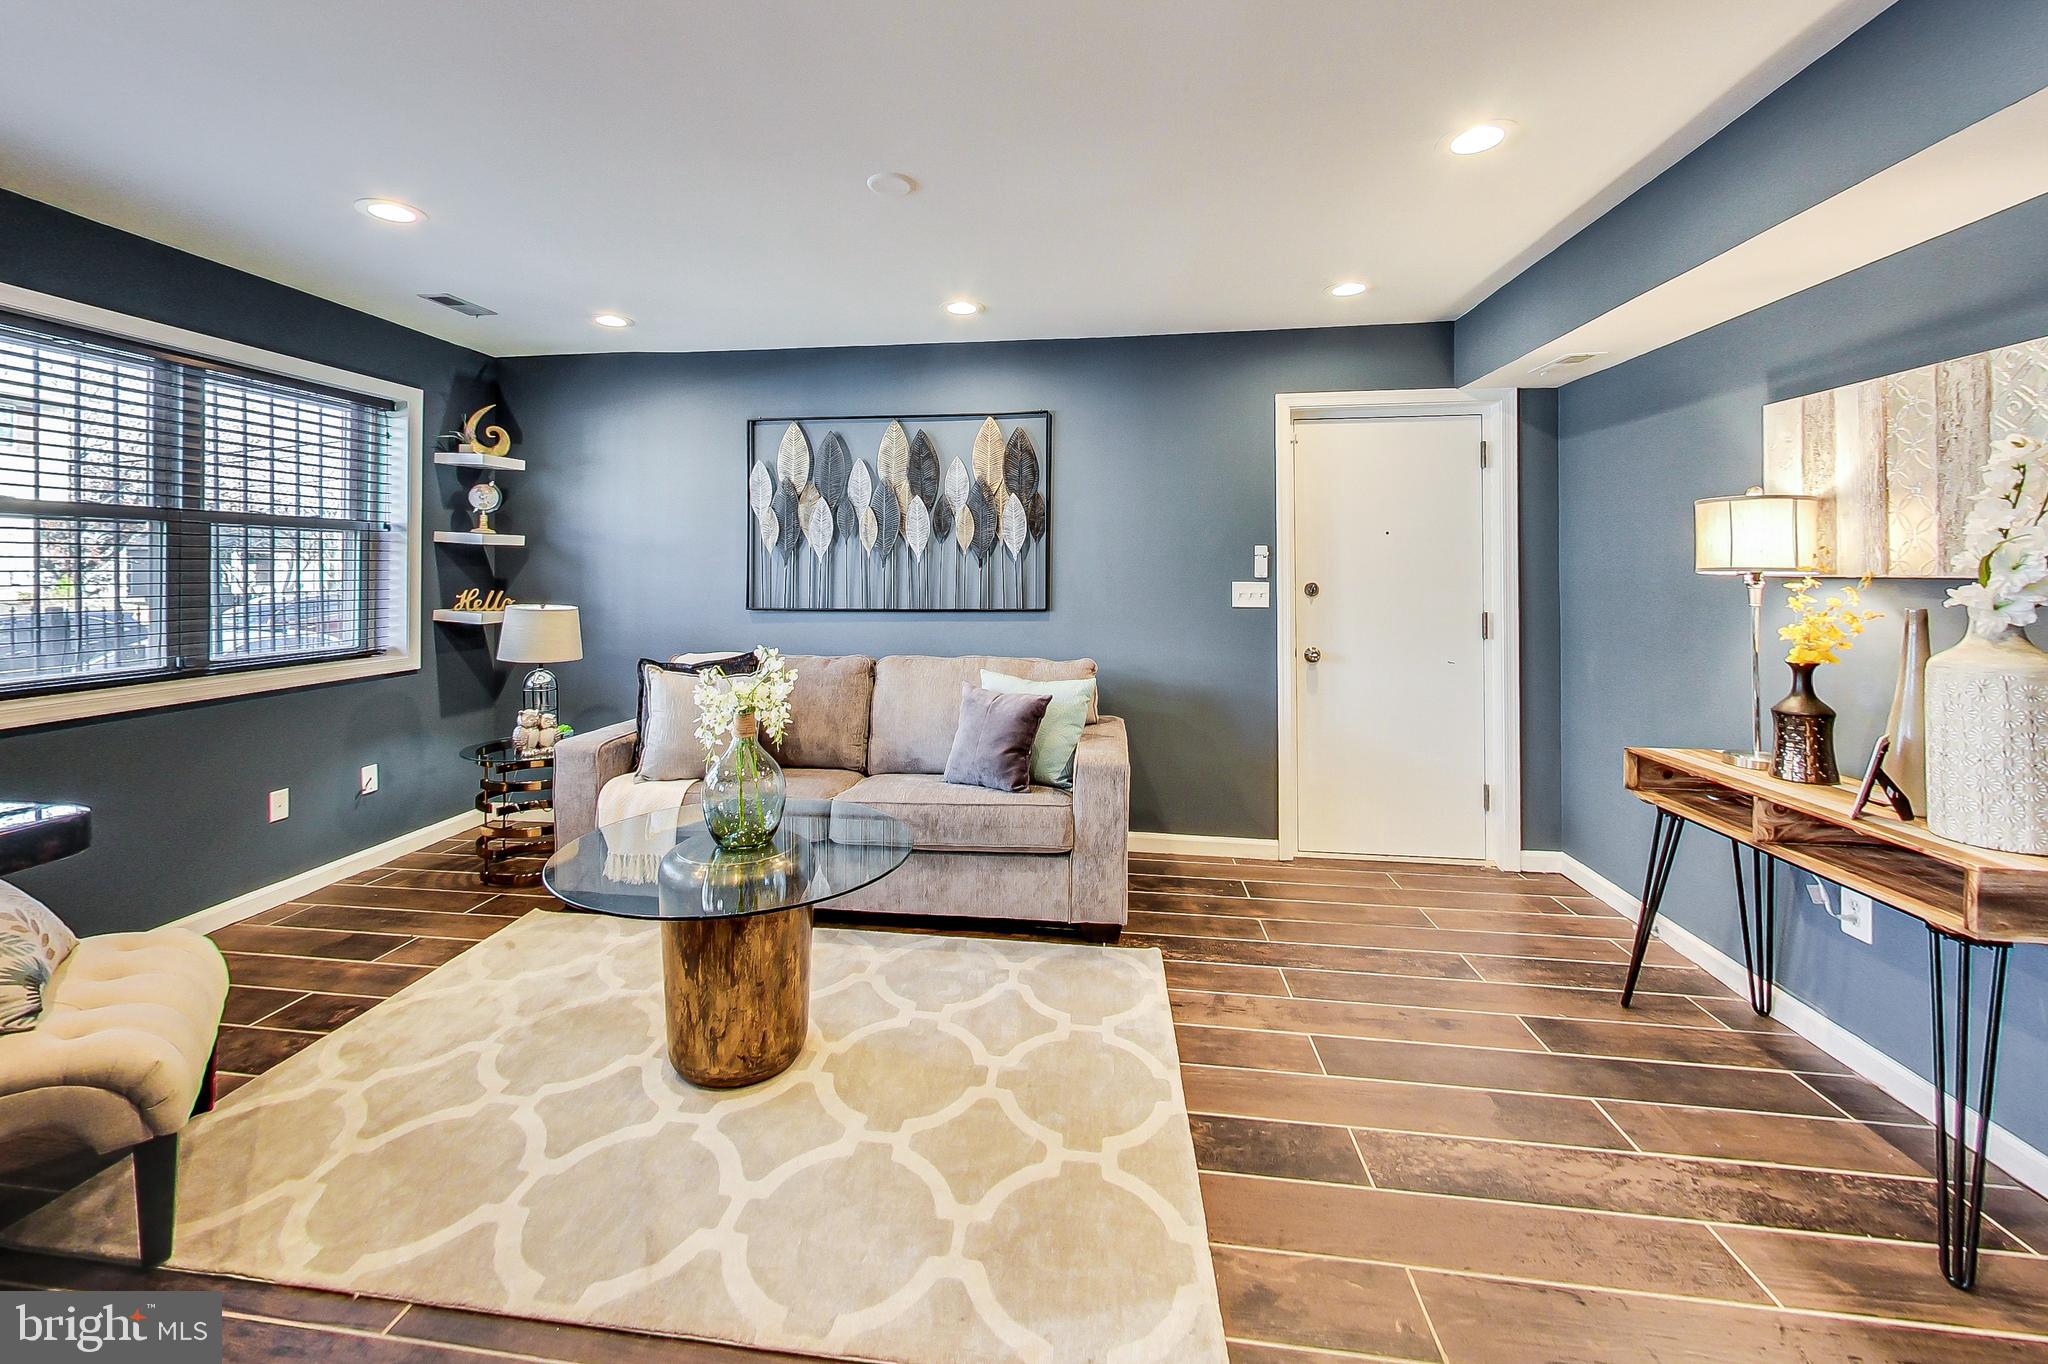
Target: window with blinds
x,y
164,516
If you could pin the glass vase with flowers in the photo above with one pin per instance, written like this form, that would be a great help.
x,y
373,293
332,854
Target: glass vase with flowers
x,y
743,784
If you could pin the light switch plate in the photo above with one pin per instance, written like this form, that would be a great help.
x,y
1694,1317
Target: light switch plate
x,y
367,785
1262,562
280,804
1251,594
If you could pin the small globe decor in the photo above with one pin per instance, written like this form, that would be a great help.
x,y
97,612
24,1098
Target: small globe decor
x,y
743,785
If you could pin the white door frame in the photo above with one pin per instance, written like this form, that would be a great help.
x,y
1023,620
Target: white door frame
x,y
1496,409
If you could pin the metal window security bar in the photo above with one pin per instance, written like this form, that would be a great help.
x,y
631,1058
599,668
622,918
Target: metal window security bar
x,y
167,516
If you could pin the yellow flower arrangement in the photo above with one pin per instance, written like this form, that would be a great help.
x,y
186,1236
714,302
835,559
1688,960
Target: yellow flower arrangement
x,y
1821,629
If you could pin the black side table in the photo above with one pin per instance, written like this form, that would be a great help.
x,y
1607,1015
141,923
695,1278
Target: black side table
x,y
515,792
32,833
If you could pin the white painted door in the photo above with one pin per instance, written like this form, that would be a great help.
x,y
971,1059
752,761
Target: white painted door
x,y
1389,666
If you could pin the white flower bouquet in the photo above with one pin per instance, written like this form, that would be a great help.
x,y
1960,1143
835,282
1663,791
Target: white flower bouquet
x,y
2005,543
762,695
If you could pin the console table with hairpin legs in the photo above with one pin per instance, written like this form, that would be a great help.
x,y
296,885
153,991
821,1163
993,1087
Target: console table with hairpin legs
x,y
1976,904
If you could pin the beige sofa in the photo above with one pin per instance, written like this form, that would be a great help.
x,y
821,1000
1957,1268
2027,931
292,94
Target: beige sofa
x,y
877,732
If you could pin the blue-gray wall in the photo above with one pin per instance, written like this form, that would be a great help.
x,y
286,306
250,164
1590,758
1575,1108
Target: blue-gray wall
x,y
1916,73
1655,654
178,796
1542,811
1162,481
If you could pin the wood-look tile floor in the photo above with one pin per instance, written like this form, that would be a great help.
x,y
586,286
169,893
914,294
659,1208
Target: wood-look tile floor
x,y
1426,1131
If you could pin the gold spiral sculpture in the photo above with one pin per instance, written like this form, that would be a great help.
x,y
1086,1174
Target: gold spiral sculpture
x,y
500,439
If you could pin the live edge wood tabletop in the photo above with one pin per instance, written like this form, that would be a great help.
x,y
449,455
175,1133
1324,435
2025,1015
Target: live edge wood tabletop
x,y
1976,903
1969,892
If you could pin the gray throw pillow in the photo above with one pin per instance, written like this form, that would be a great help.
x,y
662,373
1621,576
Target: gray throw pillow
x,y
992,746
669,750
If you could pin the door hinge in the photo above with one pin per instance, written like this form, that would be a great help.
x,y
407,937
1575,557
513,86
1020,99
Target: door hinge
x,y
1482,454
1486,798
1486,625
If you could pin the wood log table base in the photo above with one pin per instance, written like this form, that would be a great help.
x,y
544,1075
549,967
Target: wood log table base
x,y
738,995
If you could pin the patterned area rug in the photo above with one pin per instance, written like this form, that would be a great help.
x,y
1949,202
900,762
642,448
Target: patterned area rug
x,y
982,1154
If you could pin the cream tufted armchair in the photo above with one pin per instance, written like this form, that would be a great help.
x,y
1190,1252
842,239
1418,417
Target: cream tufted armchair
x,y
121,1058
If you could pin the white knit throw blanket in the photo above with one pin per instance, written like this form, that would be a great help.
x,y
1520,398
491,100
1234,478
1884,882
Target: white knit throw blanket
x,y
633,854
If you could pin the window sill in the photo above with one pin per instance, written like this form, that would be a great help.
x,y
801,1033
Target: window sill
x,y
57,707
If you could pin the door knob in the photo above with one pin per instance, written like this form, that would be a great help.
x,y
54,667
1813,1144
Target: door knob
x,y
1312,654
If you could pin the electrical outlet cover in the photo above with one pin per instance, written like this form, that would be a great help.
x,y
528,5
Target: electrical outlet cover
x,y
1857,914
368,784
280,804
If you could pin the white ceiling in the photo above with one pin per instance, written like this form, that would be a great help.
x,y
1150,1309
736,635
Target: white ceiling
x,y
1085,169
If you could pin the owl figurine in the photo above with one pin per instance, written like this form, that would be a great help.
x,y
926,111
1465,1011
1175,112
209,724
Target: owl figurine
x,y
526,737
550,730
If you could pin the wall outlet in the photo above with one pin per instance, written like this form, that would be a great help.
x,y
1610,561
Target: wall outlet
x,y
1251,594
367,786
1856,914
280,804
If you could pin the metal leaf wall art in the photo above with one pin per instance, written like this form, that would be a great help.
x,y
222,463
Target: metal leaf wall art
x,y
964,496
793,458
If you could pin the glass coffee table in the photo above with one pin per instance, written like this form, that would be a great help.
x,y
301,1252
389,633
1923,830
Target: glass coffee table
x,y
735,928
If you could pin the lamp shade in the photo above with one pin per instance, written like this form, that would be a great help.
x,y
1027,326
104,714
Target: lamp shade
x,y
540,634
1757,532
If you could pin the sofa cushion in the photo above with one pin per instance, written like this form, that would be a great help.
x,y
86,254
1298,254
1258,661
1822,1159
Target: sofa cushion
x,y
828,711
917,703
947,818
1048,670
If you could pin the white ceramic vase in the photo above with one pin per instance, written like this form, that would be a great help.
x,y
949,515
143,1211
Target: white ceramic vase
x,y
1987,742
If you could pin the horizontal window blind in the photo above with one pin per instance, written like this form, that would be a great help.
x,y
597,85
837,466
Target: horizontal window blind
x,y
167,516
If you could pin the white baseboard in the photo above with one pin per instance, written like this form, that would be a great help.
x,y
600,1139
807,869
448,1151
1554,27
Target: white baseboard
x,y
2023,1162
292,887
1205,845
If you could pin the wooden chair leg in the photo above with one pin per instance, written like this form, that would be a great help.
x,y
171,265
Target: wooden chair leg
x,y
156,1196
204,1102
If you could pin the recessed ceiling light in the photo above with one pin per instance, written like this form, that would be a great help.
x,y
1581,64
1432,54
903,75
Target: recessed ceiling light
x,y
891,184
1350,288
390,211
963,307
1480,137
612,320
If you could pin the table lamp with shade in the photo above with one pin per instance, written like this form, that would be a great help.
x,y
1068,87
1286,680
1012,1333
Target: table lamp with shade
x,y
1754,536
540,633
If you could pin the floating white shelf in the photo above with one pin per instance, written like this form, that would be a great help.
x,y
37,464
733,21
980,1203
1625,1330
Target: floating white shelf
x,y
465,460
448,617
470,537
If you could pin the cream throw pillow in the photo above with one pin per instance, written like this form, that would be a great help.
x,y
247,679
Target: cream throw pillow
x,y
33,941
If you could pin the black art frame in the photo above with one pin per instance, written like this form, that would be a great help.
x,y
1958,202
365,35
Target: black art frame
x,y
755,594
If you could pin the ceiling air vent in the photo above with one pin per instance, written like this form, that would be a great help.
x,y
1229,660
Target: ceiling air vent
x,y
461,305
1575,358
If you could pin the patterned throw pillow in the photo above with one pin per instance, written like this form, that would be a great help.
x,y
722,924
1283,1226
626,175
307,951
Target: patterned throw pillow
x,y
32,942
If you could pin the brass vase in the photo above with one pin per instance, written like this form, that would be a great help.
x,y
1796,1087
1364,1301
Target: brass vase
x,y
1803,749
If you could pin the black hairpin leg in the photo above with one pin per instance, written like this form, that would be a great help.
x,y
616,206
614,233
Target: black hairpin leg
x,y
1959,1153
1757,907
1664,835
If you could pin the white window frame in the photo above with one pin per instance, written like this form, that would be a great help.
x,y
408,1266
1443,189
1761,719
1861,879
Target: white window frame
x,y
55,707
